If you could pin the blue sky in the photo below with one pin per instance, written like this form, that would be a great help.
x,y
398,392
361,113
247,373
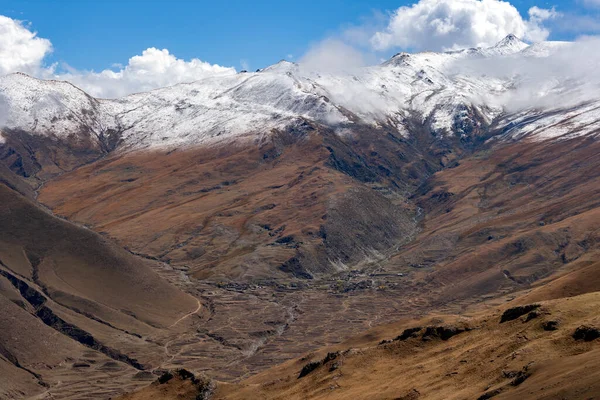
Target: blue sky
x,y
93,35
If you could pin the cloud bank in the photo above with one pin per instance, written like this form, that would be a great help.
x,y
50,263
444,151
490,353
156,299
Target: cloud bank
x,y
565,74
456,24
21,50
153,69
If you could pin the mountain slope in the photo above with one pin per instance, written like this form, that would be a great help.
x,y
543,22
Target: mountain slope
x,y
535,356
73,305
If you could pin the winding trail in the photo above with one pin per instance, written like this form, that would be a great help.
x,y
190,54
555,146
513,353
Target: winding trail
x,y
171,356
187,315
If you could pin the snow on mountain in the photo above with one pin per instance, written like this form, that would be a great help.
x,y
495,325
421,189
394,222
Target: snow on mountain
x,y
509,45
425,85
218,108
556,123
47,107
544,49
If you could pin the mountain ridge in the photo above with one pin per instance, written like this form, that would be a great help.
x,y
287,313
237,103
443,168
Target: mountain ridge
x,y
247,106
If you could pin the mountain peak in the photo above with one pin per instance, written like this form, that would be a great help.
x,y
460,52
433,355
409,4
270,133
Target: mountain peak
x,y
510,44
398,59
510,38
282,66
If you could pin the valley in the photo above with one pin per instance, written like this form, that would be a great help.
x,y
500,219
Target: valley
x,y
231,225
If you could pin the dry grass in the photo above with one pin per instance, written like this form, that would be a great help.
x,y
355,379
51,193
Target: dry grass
x,y
487,358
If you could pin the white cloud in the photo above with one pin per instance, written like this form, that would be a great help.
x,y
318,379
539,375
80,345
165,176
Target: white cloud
x,y
451,24
153,69
535,26
20,48
568,75
332,55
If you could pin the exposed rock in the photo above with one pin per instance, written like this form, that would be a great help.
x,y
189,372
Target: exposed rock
x,y
334,366
550,325
165,377
295,267
490,394
515,312
442,332
532,315
330,357
586,333
52,320
308,368
204,385
313,365
409,333
521,376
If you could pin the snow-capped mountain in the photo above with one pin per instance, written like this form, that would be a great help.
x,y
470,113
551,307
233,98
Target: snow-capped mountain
x,y
439,89
47,107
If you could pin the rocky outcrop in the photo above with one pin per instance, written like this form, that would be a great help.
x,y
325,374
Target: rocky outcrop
x,y
586,333
516,312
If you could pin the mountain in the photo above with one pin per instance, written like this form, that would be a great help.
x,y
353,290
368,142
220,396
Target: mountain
x,y
231,224
430,86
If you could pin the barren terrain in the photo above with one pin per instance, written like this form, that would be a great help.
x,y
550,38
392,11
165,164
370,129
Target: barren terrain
x,y
503,220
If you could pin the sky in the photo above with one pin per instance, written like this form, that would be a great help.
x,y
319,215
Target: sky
x,y
112,48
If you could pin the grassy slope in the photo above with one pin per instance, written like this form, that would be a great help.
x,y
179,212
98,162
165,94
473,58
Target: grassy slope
x,y
485,359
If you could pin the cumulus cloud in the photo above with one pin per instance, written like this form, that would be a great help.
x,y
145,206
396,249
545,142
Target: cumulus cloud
x,y
21,49
153,69
452,24
536,31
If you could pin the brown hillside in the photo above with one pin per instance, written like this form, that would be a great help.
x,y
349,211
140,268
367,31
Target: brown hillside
x,y
75,310
534,356
250,224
